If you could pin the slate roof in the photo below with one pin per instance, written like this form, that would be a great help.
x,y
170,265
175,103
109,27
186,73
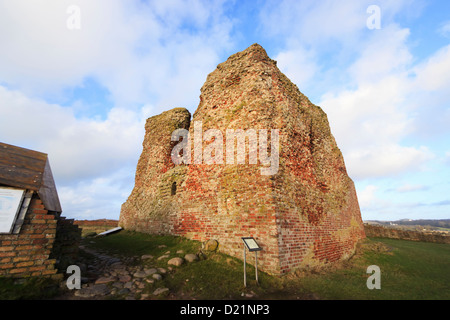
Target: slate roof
x,y
28,169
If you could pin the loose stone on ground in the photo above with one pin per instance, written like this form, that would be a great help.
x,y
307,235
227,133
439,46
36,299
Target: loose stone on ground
x,y
124,277
177,261
190,257
159,291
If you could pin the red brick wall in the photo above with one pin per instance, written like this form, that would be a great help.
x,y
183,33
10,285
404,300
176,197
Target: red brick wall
x,y
305,214
29,253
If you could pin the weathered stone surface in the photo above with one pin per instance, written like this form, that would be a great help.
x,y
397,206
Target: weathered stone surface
x,y
103,280
150,271
177,261
190,257
305,213
160,291
92,291
140,274
211,245
162,270
153,164
157,276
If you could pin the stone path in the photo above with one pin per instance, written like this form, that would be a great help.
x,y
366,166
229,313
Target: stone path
x,y
104,276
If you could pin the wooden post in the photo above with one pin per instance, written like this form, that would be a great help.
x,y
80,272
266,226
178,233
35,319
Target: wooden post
x,y
256,266
245,272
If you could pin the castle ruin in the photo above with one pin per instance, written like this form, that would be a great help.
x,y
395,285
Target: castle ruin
x,y
303,212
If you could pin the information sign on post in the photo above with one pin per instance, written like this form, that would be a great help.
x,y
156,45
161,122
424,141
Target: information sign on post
x,y
252,246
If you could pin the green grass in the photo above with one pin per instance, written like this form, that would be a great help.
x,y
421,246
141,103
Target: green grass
x,y
216,276
32,288
129,243
409,271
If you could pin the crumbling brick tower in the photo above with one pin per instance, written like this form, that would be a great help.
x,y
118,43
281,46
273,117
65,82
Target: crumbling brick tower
x,y
306,213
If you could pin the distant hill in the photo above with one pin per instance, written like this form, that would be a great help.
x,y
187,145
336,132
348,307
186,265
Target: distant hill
x,y
440,223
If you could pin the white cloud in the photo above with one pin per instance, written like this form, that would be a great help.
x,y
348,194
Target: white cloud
x,y
433,75
149,56
367,196
154,55
137,50
100,197
388,106
369,124
372,205
386,160
321,23
447,158
444,29
77,148
93,161
383,54
411,187
313,22
298,64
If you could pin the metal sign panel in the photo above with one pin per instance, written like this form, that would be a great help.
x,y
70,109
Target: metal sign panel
x,y
251,244
10,204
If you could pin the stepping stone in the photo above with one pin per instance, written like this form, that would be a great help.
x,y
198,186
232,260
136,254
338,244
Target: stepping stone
x,y
92,291
103,280
159,291
124,291
140,274
163,257
147,256
162,270
176,261
157,276
117,265
112,261
150,271
125,278
190,257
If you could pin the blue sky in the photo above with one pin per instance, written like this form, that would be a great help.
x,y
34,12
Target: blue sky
x,y
78,79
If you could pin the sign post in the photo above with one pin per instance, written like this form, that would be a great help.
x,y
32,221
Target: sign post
x,y
251,245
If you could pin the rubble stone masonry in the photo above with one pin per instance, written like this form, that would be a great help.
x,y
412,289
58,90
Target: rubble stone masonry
x,y
305,214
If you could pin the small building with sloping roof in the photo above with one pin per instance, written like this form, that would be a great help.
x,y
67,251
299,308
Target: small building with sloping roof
x,y
35,240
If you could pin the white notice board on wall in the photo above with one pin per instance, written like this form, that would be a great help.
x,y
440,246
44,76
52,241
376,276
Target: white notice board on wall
x,y
10,203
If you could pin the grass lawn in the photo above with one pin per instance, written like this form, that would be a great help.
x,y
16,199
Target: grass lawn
x,y
409,270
